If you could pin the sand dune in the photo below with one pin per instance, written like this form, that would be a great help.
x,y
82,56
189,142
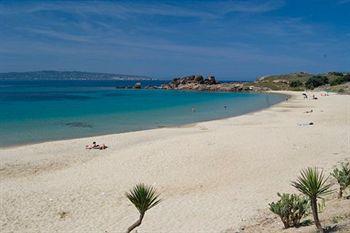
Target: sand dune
x,y
213,176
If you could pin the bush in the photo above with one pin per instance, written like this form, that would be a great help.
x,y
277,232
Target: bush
x,y
291,208
295,83
336,73
316,81
342,175
340,80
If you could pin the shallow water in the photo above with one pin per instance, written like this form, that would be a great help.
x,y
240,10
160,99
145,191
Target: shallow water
x,y
36,111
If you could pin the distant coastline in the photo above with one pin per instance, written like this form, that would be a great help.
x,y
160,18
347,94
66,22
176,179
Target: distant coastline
x,y
300,81
69,75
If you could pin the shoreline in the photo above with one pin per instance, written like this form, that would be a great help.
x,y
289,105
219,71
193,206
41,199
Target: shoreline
x,y
219,174
158,127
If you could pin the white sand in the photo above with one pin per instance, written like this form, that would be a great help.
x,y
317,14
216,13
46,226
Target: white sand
x,y
213,176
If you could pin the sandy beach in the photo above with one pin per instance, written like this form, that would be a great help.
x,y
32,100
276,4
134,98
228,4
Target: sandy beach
x,y
213,176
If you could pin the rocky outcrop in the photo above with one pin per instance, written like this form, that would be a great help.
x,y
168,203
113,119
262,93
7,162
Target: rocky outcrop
x,y
190,82
199,83
193,79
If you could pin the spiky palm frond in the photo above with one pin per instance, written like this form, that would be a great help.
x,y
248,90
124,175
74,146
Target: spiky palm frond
x,y
143,197
312,183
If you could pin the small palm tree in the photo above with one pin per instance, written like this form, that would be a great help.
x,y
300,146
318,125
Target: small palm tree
x,y
313,184
144,198
342,175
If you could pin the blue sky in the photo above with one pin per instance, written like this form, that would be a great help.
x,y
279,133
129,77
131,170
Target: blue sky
x,y
164,39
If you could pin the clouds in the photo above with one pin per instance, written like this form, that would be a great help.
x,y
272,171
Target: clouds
x,y
188,36
125,9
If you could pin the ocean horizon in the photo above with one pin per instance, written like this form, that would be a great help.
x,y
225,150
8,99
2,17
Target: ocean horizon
x,y
38,111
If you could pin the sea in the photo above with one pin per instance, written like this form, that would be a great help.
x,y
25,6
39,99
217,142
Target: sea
x,y
37,111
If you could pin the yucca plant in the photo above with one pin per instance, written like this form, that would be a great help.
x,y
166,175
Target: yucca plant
x,y
313,184
342,175
291,208
143,197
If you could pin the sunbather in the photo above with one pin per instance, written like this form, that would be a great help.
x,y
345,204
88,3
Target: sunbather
x,y
103,146
93,146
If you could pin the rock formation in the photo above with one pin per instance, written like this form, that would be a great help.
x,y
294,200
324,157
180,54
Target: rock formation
x,y
137,85
199,83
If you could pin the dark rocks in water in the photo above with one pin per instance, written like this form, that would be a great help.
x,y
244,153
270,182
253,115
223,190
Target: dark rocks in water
x,y
152,87
137,85
124,87
78,125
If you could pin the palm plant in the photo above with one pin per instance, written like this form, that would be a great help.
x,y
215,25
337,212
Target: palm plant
x,y
313,184
342,175
144,198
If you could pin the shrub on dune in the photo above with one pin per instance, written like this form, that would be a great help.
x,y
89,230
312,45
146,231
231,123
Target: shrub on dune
x,y
143,197
295,83
342,175
313,184
291,208
316,81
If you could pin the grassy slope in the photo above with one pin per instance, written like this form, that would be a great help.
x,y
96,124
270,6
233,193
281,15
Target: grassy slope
x,y
281,82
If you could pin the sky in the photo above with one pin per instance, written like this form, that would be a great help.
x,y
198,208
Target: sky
x,y
233,39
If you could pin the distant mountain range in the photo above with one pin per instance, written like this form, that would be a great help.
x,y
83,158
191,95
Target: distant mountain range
x,y
68,75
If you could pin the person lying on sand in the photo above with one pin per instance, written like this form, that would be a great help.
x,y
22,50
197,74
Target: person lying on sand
x,y
103,146
93,146
310,111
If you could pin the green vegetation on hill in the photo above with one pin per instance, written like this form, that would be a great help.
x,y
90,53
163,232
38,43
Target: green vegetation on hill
x,y
301,81
316,81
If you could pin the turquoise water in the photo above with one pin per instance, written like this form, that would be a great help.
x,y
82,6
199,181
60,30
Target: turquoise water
x,y
36,111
